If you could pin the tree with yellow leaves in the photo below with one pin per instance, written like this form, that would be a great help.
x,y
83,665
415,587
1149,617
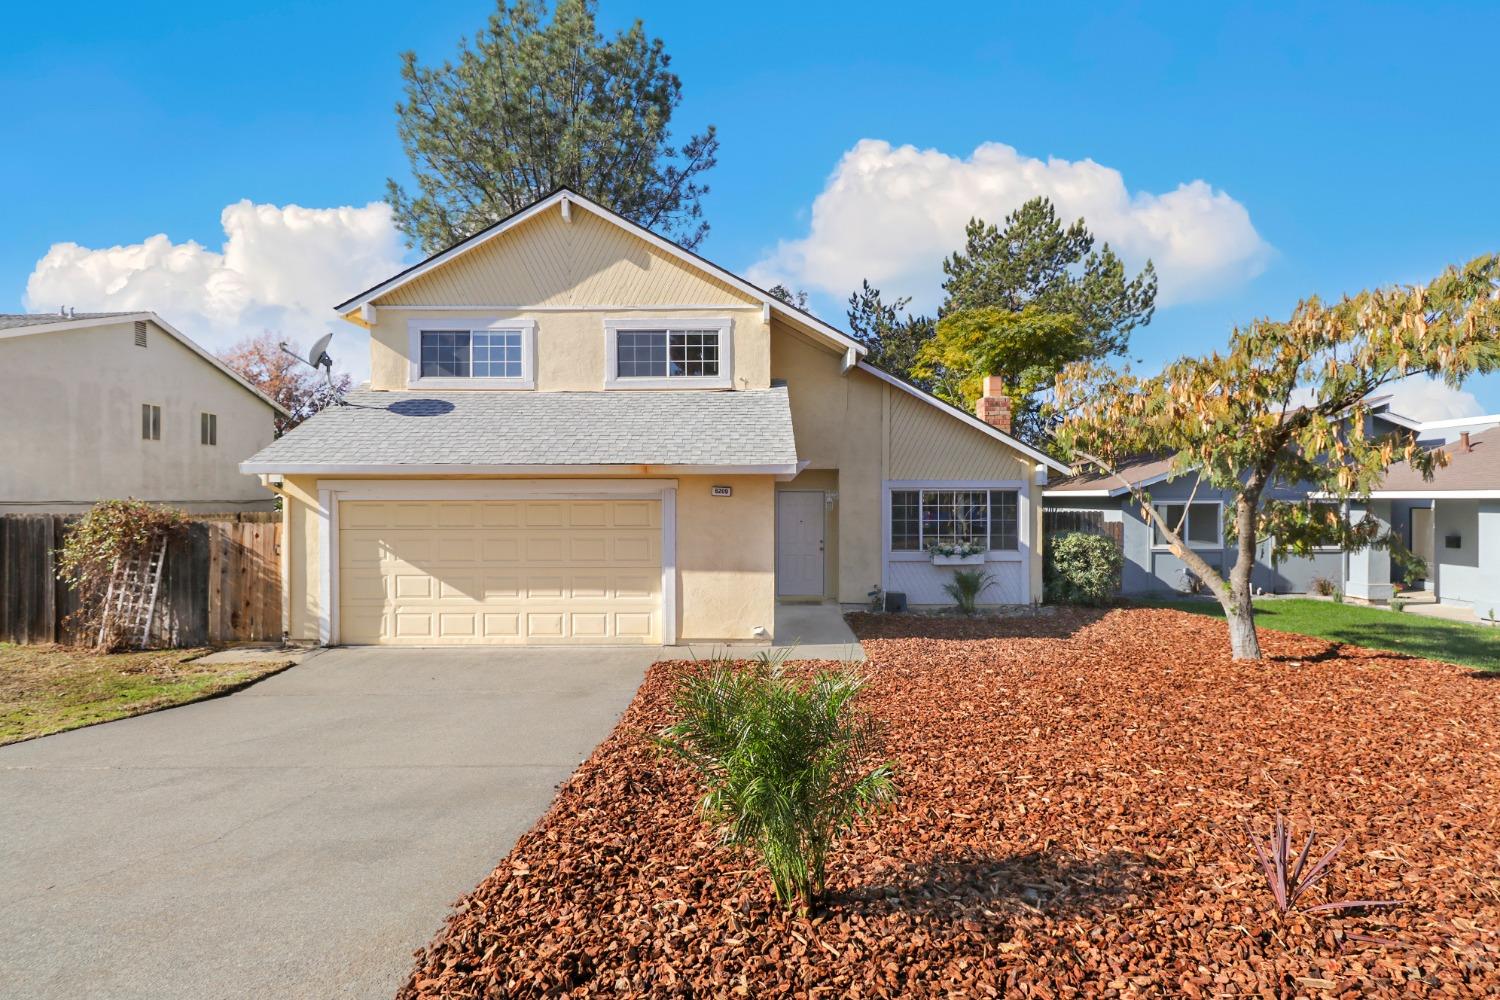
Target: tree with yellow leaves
x,y
1285,405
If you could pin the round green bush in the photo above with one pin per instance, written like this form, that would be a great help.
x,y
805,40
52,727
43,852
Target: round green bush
x,y
1081,568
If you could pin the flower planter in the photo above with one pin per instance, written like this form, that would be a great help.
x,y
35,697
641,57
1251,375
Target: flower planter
x,y
977,559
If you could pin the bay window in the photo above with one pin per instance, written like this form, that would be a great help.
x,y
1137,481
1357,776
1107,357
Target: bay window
x,y
921,517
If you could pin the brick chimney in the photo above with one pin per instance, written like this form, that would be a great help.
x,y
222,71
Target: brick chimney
x,y
1464,439
994,406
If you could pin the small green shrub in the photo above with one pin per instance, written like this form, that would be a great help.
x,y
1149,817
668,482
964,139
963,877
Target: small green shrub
x,y
1082,568
787,765
965,588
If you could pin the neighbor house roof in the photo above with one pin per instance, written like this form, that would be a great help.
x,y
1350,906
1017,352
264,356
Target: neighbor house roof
x,y
1470,473
565,199
1142,471
749,431
26,324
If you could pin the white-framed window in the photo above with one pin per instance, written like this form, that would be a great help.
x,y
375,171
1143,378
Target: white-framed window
x,y
1203,528
208,428
472,353
685,353
150,422
920,517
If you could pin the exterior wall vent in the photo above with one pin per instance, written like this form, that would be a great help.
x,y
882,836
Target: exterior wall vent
x,y
140,333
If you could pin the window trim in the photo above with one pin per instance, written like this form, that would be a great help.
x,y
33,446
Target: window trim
x,y
469,324
722,325
150,421
920,554
1218,505
208,429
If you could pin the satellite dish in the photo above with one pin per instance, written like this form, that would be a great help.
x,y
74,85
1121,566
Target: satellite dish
x,y
318,355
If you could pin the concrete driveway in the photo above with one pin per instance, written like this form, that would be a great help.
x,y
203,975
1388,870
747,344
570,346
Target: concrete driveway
x,y
298,839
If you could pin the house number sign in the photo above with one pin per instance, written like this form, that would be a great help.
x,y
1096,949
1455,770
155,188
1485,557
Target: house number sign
x,y
722,491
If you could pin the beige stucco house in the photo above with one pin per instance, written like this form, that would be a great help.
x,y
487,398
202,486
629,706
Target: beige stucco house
x,y
577,431
97,406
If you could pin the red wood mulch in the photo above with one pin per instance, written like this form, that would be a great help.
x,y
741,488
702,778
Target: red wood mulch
x,y
1073,792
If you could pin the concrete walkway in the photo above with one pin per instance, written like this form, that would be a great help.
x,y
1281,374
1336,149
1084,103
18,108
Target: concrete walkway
x,y
298,839
816,632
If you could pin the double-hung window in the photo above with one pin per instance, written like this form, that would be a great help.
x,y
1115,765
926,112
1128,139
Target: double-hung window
x,y
668,354
1202,529
470,355
923,517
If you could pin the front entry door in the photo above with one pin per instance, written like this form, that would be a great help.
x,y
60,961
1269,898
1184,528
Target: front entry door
x,y
1421,537
799,543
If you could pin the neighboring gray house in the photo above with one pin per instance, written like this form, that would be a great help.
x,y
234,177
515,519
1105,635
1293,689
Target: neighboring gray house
x,y
1451,521
1150,566
1152,569
100,406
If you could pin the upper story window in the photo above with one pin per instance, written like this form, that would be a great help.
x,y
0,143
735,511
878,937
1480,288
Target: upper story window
x,y
208,428
470,354
692,353
150,422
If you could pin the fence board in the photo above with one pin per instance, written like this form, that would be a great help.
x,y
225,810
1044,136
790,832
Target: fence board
x,y
221,581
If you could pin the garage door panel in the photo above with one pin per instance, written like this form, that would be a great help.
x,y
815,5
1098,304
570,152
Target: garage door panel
x,y
430,572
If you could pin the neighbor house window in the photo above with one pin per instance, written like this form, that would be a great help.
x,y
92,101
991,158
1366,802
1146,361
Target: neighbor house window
x,y
921,517
659,354
463,356
1203,527
208,428
150,422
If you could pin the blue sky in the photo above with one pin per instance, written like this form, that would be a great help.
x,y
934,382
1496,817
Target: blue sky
x,y
1356,138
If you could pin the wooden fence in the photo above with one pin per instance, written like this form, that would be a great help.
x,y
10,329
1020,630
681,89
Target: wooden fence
x,y
1092,522
221,582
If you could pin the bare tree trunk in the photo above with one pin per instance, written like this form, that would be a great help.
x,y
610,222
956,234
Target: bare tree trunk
x,y
1239,610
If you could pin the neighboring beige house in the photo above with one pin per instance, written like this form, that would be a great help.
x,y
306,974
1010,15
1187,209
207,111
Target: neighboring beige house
x,y
577,431
100,406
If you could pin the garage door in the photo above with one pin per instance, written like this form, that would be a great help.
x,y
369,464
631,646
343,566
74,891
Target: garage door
x,y
516,571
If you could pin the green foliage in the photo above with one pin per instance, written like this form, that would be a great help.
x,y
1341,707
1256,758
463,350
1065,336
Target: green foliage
x,y
529,107
796,299
894,341
1072,303
1082,568
965,588
111,530
787,765
1025,348
1286,405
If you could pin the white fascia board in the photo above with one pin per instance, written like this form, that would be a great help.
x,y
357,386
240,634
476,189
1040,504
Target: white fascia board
x,y
1487,419
788,470
153,318
666,246
963,417
1064,494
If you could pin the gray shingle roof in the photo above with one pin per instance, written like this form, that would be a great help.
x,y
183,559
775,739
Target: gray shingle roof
x,y
10,321
503,428
1477,468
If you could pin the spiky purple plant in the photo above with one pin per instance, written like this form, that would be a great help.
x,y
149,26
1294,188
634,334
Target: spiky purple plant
x,y
1289,879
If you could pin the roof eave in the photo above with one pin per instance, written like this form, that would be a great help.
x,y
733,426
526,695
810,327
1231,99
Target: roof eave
x,y
395,470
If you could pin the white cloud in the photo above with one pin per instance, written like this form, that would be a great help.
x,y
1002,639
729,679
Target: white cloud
x,y
280,269
1423,398
891,214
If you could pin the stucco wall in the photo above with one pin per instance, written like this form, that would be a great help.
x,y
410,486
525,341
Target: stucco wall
x,y
725,557
1469,575
563,273
72,424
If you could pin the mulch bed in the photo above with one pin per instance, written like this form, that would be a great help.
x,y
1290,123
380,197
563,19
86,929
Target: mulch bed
x,y
1074,790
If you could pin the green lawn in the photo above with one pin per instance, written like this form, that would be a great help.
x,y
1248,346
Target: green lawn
x,y
47,689
1374,628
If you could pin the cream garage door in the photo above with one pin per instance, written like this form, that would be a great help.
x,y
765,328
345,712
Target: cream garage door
x,y
514,571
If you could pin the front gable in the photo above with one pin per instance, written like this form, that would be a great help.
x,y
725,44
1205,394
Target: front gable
x,y
583,262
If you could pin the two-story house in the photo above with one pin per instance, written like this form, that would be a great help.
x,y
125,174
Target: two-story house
x,y
99,406
577,431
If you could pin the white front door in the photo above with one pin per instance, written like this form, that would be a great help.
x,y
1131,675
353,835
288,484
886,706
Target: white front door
x,y
799,543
